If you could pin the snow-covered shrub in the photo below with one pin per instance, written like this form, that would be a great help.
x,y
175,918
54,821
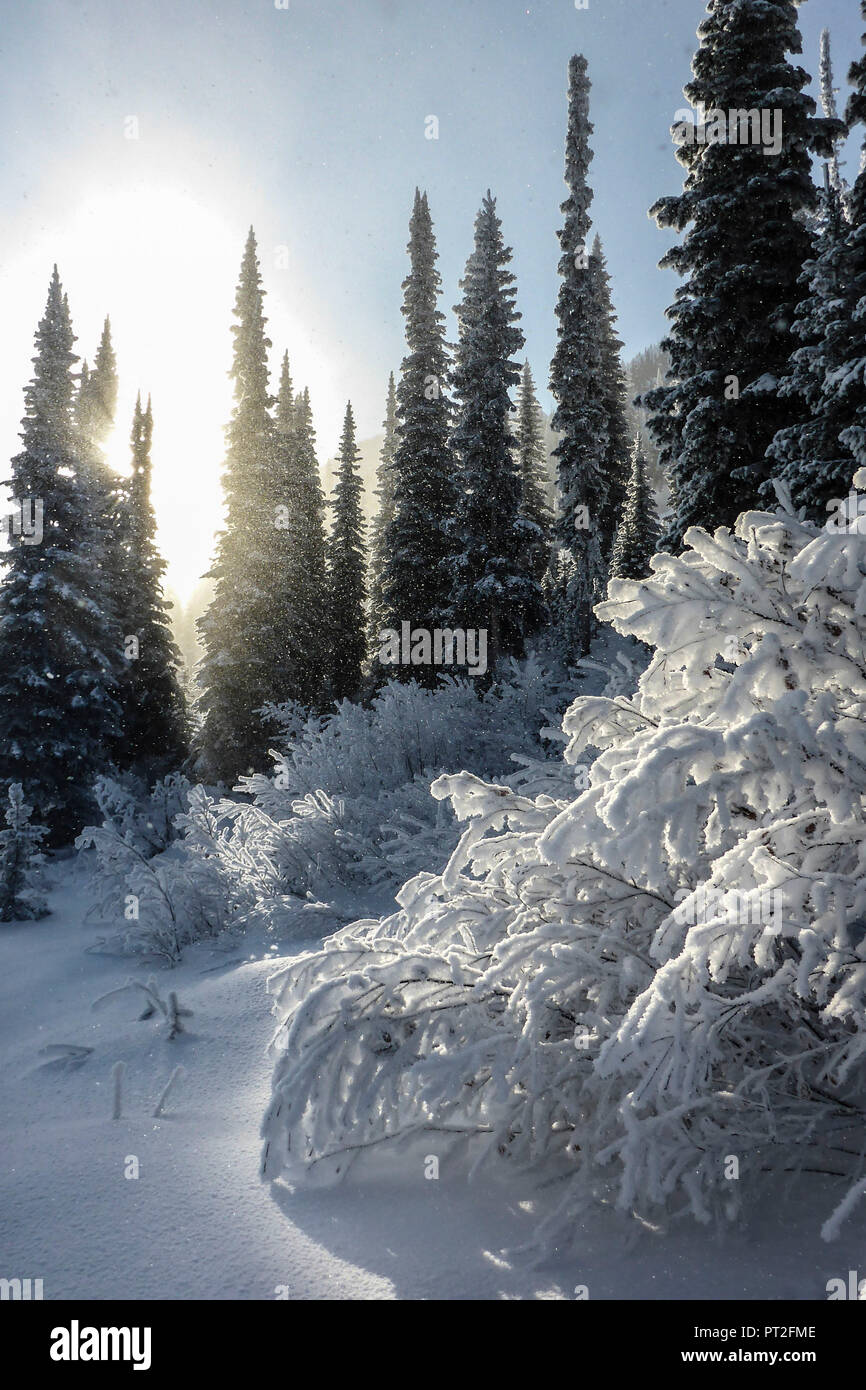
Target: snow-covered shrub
x,y
145,818
20,858
595,982
349,803
162,902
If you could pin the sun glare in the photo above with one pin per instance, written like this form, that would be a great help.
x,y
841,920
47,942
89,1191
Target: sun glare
x,y
163,267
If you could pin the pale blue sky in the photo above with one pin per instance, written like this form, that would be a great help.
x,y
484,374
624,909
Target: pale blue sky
x,y
310,123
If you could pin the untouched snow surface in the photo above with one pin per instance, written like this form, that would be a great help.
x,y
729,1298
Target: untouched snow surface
x,y
199,1223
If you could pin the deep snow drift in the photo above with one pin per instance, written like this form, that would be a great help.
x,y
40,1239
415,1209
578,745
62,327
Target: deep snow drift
x,y
199,1223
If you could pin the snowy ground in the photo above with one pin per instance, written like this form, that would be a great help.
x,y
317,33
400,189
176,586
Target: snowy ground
x,y
199,1223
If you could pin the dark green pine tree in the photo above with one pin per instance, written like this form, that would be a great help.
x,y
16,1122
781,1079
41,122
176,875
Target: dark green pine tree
x,y
284,409
535,508
637,538
617,465
96,405
745,241
312,525
809,455
577,381
383,518
300,591
846,388
154,715
347,566
94,414
416,582
244,665
493,586
59,641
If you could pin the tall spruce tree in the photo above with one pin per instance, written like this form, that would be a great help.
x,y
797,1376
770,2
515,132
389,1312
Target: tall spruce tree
x,y
493,586
347,570
384,516
59,641
809,455
532,463
846,387
745,240
101,391
577,384
617,464
299,591
96,399
416,582
154,716
94,414
312,562
829,107
284,407
245,662
637,538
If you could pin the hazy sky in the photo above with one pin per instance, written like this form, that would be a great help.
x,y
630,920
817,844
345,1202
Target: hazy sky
x,y
309,122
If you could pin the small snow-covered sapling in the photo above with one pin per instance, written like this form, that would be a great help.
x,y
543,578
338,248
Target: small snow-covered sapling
x,y
19,857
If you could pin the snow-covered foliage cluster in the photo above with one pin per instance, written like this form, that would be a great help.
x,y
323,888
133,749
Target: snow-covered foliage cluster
x,y
20,861
156,899
349,803
655,989
348,807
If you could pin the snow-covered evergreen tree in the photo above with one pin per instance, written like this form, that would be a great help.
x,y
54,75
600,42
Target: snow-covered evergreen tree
x,y
284,406
347,567
416,583
384,516
309,509
155,724
745,241
532,462
809,454
248,660
96,402
108,532
494,588
59,642
577,383
614,398
637,539
299,587
19,856
622,988
845,384
829,106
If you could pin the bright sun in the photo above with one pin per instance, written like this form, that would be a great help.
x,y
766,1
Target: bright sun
x,y
167,282
163,264
163,267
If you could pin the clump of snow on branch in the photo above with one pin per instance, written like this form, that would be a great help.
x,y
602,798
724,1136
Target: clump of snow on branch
x,y
633,985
